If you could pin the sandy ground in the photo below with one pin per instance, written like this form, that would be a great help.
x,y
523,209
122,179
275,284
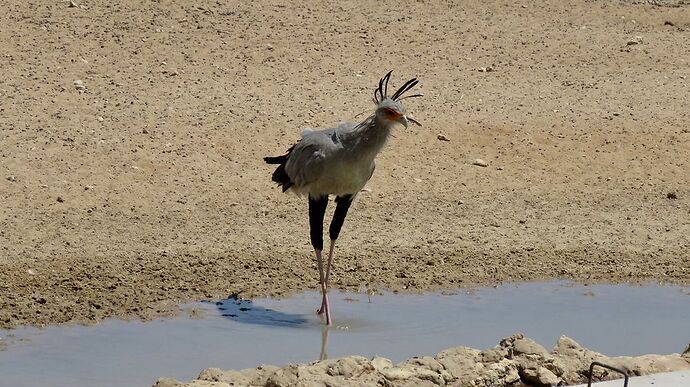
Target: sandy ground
x,y
142,185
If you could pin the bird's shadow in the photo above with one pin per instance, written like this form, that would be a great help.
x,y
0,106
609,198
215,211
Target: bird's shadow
x,y
246,312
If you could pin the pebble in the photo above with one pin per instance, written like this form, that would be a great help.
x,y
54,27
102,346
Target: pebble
x,y
480,163
443,137
60,199
485,69
12,178
100,119
79,85
635,40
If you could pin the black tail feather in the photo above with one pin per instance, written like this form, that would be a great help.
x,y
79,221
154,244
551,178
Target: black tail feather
x,y
280,176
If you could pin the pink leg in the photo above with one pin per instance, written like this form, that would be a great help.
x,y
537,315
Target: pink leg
x,y
324,288
327,276
330,260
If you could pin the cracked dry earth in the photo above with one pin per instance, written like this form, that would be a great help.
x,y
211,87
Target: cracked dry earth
x,y
133,136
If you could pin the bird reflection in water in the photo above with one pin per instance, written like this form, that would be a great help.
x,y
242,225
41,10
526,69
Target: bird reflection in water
x,y
246,312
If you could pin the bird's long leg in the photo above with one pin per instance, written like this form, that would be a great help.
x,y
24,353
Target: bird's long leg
x,y
342,205
317,210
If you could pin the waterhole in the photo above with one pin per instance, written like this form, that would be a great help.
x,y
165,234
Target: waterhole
x,y
232,334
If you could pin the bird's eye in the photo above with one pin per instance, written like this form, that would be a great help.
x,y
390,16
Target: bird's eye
x,y
388,112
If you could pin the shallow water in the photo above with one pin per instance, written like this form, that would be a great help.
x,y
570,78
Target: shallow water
x,y
612,319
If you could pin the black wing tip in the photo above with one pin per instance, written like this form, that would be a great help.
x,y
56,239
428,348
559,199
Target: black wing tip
x,y
275,159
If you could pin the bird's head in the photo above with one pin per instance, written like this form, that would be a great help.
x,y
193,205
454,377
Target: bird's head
x,y
390,110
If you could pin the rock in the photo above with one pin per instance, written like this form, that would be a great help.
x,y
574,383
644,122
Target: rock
x,y
244,377
540,377
397,373
512,376
427,362
381,363
12,178
529,347
634,40
516,360
167,382
671,195
283,377
461,363
442,137
349,366
480,163
79,85
493,355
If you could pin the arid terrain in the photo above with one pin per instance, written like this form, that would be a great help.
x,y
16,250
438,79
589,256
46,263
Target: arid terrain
x,y
515,361
132,135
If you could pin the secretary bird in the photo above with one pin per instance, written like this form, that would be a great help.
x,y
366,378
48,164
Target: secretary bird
x,y
339,161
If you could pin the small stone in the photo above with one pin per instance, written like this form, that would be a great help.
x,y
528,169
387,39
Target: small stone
x,y
671,195
416,180
512,376
480,163
79,85
100,119
487,69
269,46
443,137
12,178
634,40
31,272
72,4
60,199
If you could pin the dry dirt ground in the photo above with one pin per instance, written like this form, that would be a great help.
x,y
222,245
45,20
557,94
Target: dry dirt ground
x,y
132,136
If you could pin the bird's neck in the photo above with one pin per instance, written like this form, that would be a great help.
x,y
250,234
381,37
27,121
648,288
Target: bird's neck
x,y
373,133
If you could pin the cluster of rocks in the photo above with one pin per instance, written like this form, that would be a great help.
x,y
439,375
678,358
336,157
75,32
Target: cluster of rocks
x,y
516,361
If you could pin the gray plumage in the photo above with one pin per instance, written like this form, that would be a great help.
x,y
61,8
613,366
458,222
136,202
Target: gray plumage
x,y
339,161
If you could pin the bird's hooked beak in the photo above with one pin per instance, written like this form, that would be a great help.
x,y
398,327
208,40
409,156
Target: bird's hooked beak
x,y
405,120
